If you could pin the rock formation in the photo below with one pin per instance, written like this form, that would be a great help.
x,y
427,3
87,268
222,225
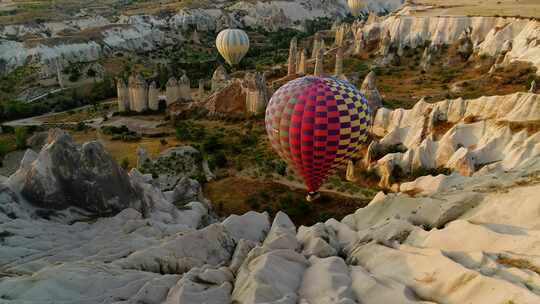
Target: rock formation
x,y
202,90
338,70
533,89
171,91
492,36
319,63
139,92
122,95
64,174
464,146
257,95
153,97
370,91
220,78
341,34
317,43
414,246
302,63
292,62
465,44
184,88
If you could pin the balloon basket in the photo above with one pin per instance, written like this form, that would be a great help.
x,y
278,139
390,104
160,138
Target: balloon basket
x,y
313,196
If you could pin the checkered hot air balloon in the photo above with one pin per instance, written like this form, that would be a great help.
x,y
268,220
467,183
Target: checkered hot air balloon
x,y
233,45
316,125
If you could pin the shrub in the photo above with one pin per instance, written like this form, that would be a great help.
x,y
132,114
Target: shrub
x,y
212,144
163,142
4,149
253,202
281,168
125,163
217,160
21,135
81,126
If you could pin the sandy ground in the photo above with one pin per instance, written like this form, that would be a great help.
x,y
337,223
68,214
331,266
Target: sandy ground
x,y
523,8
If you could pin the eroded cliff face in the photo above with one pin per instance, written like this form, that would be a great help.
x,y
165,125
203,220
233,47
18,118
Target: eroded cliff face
x,y
514,39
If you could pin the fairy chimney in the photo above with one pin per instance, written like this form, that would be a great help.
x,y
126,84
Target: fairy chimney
x,y
316,45
293,49
319,63
370,91
201,87
220,79
171,91
153,97
256,91
301,69
184,88
123,95
139,103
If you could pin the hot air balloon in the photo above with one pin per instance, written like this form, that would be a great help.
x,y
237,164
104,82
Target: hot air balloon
x,y
355,6
233,45
316,125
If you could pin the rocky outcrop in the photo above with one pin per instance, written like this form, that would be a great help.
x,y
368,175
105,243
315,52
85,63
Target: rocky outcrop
x,y
370,91
485,35
257,93
444,231
462,135
220,78
65,174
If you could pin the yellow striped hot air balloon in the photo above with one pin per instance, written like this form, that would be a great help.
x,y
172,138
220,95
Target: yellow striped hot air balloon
x,y
233,45
355,6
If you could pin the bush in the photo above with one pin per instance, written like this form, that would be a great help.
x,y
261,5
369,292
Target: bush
x,y
125,163
253,202
163,142
281,168
21,135
217,160
4,149
81,126
212,144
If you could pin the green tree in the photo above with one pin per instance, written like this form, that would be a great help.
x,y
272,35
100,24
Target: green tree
x,y
21,135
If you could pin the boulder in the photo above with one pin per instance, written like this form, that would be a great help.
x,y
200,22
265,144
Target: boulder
x,y
251,226
326,281
65,174
202,285
282,234
269,277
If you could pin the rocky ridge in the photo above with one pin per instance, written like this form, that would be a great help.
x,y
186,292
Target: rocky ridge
x,y
507,39
443,239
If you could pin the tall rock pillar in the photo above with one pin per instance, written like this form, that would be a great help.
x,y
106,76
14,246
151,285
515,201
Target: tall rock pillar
x,y
171,91
123,96
301,70
184,88
293,50
319,63
153,97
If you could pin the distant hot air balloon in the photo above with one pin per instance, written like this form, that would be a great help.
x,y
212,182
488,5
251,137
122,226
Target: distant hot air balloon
x,y
355,6
233,45
316,125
